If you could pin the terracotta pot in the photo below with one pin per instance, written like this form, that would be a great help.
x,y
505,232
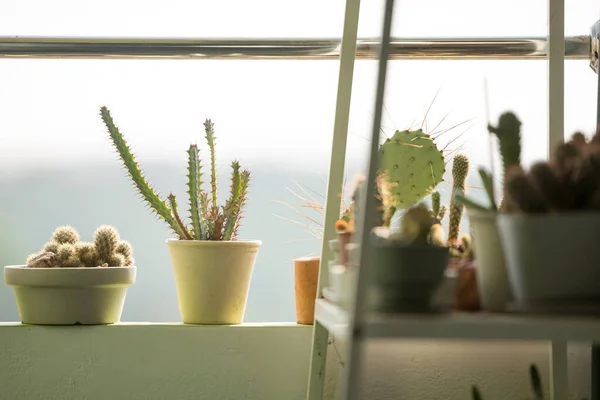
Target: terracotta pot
x,y
306,279
467,294
343,239
212,279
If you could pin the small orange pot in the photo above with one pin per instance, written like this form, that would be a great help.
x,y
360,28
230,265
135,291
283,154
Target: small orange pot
x,y
306,279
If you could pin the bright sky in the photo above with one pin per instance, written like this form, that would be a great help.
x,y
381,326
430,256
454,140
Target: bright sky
x,y
270,111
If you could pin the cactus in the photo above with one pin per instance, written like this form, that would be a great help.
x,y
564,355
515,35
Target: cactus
x,y
65,234
437,209
106,239
418,228
107,250
414,165
460,169
570,181
508,133
208,220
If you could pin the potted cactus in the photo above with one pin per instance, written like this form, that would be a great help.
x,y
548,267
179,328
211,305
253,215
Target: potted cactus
x,y
492,275
71,282
551,230
408,264
212,268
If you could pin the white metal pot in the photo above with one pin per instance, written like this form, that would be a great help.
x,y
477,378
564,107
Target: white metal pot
x,y
553,260
212,279
70,296
492,276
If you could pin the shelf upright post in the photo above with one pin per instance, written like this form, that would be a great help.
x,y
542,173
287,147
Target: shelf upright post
x,y
367,217
320,338
556,73
594,54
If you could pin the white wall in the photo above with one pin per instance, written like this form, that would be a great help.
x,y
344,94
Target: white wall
x,y
252,362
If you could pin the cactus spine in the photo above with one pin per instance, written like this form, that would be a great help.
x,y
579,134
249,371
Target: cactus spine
x,y
460,170
63,252
208,221
414,165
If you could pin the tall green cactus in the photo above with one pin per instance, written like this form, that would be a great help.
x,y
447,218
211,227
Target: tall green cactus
x,y
508,133
413,164
208,220
460,170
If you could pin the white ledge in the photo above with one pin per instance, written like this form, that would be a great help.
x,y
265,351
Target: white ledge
x,y
170,324
154,361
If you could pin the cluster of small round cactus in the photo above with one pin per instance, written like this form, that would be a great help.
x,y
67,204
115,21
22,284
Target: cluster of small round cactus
x,y
65,249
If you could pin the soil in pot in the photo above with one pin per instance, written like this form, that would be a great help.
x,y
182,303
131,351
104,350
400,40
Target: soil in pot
x,y
406,278
553,261
306,279
212,279
70,296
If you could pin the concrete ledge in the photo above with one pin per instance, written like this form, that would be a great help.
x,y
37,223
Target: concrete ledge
x,y
154,361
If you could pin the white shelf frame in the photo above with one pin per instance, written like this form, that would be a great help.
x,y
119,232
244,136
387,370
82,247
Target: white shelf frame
x,y
356,326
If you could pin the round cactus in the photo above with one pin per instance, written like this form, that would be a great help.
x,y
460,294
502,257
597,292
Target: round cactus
x,y
124,248
72,262
413,165
116,260
65,234
51,247
106,239
87,253
65,251
43,260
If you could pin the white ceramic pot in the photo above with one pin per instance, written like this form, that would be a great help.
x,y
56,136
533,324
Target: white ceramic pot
x,y
69,296
553,260
212,279
492,276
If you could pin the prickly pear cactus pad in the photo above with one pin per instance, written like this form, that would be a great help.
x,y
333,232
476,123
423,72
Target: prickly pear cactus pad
x,y
413,165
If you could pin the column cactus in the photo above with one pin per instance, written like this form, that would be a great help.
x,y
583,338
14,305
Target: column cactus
x,y
209,221
460,170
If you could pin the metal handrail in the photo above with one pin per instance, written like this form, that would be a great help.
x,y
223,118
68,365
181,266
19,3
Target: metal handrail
x,y
576,47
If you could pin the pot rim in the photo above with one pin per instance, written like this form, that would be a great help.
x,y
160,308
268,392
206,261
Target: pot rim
x,y
25,267
554,216
209,243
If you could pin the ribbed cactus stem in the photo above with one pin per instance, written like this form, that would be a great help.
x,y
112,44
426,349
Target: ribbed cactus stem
x,y
144,188
233,203
210,139
173,203
460,170
199,227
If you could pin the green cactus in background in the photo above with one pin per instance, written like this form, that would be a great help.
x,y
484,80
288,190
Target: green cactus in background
x,y
413,164
208,220
107,250
418,228
437,209
569,181
460,170
508,133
